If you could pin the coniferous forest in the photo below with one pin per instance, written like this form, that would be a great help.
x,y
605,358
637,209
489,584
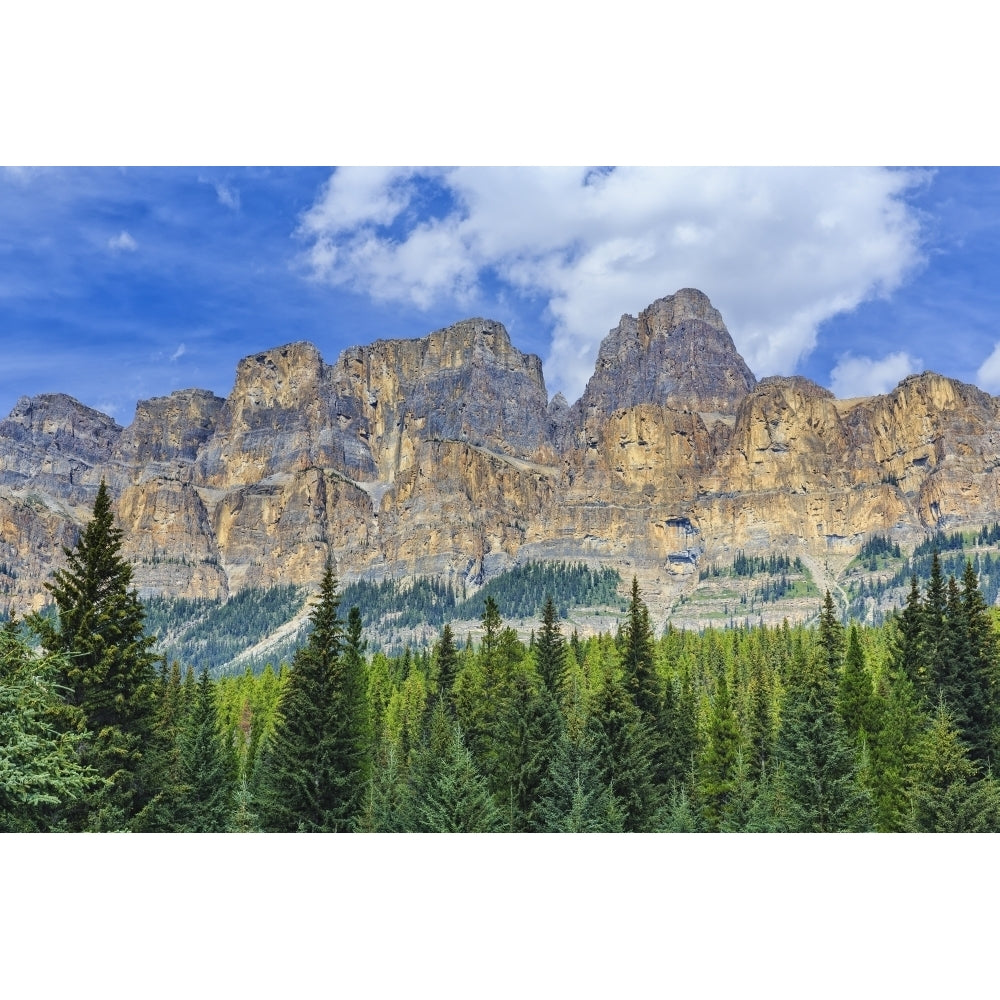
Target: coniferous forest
x,y
832,727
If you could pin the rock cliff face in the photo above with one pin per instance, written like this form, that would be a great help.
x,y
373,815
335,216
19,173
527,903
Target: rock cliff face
x,y
444,456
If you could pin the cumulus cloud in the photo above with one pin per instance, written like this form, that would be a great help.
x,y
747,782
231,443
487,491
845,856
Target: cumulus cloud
x,y
777,250
988,374
123,241
863,376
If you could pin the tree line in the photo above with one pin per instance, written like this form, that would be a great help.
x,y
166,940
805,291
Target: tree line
x,y
788,728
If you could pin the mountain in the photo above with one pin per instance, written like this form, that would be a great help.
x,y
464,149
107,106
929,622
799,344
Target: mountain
x,y
443,456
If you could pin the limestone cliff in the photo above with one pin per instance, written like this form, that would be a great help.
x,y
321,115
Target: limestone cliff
x,y
444,456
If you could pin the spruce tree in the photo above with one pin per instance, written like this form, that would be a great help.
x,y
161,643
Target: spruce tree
x,y
40,771
484,692
550,650
893,749
446,656
855,695
447,793
818,765
909,654
831,637
109,672
638,658
573,797
313,773
624,744
208,768
949,796
717,767
678,744
984,670
934,628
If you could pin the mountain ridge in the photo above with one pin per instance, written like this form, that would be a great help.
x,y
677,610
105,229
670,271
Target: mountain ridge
x,y
444,456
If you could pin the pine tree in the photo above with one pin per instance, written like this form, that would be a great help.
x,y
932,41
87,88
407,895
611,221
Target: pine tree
x,y
40,770
760,722
550,650
949,796
624,744
447,666
678,744
818,764
718,764
638,658
909,654
984,670
831,637
447,793
855,695
934,628
109,671
893,749
484,692
208,768
313,773
385,798
680,815
573,797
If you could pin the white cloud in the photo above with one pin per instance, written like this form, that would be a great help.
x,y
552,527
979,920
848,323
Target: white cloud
x,y
988,374
777,250
179,353
863,376
123,241
228,196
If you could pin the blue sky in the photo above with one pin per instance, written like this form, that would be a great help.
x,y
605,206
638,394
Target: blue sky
x,y
122,284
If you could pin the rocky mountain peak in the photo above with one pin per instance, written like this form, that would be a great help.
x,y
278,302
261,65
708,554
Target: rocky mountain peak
x,y
677,352
54,439
670,312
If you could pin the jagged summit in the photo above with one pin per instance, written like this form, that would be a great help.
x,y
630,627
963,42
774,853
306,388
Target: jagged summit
x,y
444,456
677,352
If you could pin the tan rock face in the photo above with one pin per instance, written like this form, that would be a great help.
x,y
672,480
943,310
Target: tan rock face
x,y
443,456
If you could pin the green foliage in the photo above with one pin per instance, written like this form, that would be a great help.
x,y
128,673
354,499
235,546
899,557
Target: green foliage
x,y
521,591
314,771
40,742
625,744
757,729
855,696
949,796
209,767
447,660
447,793
573,797
717,769
209,634
109,672
818,764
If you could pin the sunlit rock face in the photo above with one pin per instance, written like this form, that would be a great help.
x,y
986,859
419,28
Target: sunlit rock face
x,y
444,456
